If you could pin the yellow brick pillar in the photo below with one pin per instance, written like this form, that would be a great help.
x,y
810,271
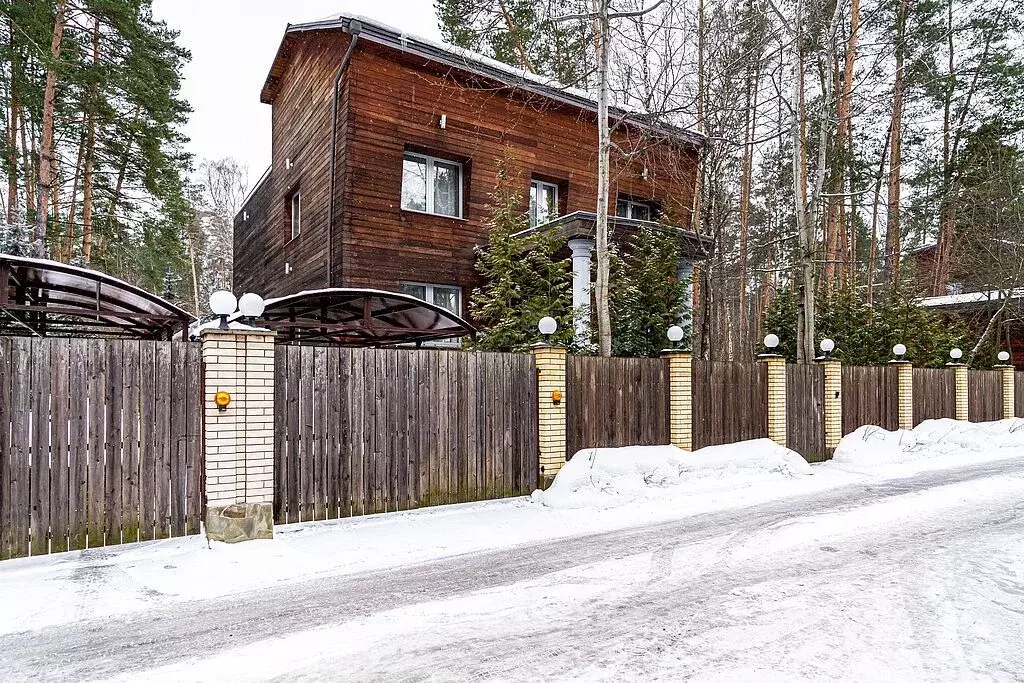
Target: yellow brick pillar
x,y
680,397
1009,391
963,411
776,365
550,360
904,393
239,437
833,406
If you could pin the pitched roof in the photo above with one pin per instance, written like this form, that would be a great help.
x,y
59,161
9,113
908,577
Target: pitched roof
x,y
464,60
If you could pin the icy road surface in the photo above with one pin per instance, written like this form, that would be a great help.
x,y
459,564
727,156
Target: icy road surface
x,y
920,578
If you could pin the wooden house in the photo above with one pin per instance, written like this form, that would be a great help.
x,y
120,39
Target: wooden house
x,y
385,150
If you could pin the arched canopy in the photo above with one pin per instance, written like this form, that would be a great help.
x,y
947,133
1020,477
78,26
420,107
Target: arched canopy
x,y
360,317
54,299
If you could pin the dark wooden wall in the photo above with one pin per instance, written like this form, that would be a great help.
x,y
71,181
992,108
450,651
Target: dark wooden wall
x,y
614,402
373,430
934,394
392,102
730,402
100,443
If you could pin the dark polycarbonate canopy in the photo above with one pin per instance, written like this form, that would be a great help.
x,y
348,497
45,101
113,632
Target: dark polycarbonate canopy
x,y
359,317
53,299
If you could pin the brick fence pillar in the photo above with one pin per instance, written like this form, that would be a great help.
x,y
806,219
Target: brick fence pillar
x,y
680,398
833,406
963,411
239,438
904,393
550,360
776,365
1009,391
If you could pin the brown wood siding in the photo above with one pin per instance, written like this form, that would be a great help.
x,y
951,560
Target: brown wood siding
x,y
301,134
392,102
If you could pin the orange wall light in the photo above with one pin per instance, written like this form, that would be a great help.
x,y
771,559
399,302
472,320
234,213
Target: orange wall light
x,y
222,399
556,396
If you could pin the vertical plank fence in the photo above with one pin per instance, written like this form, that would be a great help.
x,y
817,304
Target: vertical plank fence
x,y
805,411
100,443
360,431
934,394
1018,393
729,402
870,397
985,395
615,402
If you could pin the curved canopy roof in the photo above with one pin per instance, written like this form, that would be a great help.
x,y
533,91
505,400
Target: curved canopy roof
x,y
360,317
50,299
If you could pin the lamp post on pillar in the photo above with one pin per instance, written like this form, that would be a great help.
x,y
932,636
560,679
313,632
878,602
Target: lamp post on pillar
x,y
833,404
1009,390
904,387
960,378
776,364
581,252
680,391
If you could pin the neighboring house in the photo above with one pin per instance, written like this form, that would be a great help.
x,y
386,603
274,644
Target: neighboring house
x,y
385,149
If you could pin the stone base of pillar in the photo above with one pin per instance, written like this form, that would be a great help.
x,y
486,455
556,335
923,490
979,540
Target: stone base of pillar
x,y
240,522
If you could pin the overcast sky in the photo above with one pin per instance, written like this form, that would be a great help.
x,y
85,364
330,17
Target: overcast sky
x,y
233,43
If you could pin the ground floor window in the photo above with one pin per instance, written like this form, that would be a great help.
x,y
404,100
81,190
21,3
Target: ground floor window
x,y
444,296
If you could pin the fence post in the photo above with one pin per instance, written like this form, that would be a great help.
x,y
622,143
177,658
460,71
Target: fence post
x,y
680,397
833,402
1009,391
238,437
904,393
776,365
550,360
963,411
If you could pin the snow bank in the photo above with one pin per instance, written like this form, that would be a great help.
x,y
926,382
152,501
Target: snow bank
x,y
943,440
608,477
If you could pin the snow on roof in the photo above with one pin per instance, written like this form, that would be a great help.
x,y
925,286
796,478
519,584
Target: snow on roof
x,y
380,32
970,298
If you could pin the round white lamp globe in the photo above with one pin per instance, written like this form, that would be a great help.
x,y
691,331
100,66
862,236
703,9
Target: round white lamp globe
x,y
675,334
251,305
771,341
827,346
223,302
547,325
899,350
1003,356
956,354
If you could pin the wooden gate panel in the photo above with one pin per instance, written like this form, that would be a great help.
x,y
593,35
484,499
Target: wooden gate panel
x,y
984,395
730,402
934,394
805,411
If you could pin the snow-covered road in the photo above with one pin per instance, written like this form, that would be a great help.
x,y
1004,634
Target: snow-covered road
x,y
919,578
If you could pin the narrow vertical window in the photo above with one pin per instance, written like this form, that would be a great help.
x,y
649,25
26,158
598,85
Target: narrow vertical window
x,y
295,213
543,202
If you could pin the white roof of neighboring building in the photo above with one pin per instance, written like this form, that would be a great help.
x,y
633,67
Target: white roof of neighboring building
x,y
970,298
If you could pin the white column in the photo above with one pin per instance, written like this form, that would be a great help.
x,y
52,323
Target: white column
x,y
581,251
685,270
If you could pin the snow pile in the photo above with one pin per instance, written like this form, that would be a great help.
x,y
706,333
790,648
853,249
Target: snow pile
x,y
608,477
869,446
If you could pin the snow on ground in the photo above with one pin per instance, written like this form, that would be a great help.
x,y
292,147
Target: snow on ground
x,y
599,490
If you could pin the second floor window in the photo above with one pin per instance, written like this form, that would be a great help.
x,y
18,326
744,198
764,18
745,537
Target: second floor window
x,y
431,185
295,213
543,202
627,207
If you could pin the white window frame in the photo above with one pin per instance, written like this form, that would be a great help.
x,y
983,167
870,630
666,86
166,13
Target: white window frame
x,y
536,187
295,212
631,204
428,296
430,161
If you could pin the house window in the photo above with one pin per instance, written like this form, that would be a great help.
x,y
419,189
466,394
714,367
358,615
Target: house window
x,y
431,185
627,207
295,213
543,202
447,297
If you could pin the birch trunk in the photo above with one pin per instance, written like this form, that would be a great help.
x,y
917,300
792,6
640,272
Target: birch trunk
x,y
601,39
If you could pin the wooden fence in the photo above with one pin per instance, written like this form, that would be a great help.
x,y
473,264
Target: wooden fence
x,y
372,430
615,402
985,395
870,397
934,394
729,402
805,408
1018,395
100,443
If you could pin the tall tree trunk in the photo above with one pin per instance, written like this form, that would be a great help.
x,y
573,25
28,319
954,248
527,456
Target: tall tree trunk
x,y
90,156
28,168
804,226
892,231
12,137
749,128
64,253
46,143
838,243
873,246
601,40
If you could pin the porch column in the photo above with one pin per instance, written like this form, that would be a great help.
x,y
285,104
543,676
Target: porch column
x,y
238,433
581,251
